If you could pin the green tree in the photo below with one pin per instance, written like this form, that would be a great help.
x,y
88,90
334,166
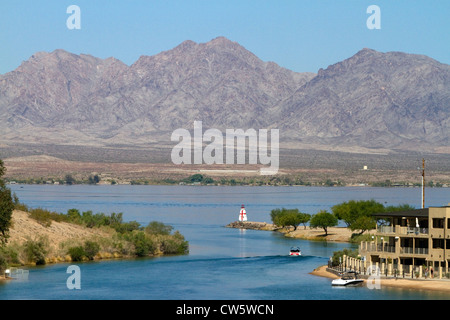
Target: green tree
x,y
6,207
94,179
196,178
208,180
288,217
304,218
323,219
363,223
69,179
401,207
352,211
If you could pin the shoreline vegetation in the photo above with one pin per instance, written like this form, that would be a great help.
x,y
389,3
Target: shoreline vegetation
x,y
39,237
205,180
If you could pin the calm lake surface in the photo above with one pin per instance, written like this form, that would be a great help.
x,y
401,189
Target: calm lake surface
x,y
223,263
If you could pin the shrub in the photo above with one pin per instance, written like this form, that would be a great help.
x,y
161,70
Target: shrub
x,y
10,254
124,227
18,205
174,244
42,216
35,250
143,244
73,215
76,253
3,262
91,248
156,227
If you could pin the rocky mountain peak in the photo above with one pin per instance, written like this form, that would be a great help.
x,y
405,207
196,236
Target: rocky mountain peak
x,y
372,99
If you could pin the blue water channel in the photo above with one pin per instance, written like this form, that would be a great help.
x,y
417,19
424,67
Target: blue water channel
x,y
223,263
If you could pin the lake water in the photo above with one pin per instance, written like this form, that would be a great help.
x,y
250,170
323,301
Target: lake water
x,y
223,263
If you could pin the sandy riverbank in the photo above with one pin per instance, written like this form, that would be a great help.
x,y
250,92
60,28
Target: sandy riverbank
x,y
338,234
432,285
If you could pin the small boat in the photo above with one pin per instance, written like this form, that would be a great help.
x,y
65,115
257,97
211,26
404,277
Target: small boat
x,y
348,279
295,251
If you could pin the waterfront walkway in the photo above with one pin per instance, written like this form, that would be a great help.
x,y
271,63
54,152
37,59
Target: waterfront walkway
x,y
442,285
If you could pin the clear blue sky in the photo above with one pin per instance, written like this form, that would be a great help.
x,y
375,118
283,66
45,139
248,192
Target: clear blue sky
x,y
302,35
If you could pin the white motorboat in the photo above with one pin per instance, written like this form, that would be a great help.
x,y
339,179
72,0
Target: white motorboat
x,y
347,279
295,251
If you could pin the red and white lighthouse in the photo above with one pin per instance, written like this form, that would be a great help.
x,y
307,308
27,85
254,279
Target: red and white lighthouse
x,y
242,214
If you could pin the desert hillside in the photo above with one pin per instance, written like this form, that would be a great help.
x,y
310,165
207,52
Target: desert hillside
x,y
60,235
24,227
51,241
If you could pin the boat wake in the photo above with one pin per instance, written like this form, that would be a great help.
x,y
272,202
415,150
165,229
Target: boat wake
x,y
224,259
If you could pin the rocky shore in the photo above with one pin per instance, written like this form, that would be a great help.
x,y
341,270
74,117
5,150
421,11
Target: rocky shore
x,y
253,225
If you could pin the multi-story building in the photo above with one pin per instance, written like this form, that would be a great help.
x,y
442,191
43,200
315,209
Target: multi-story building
x,y
411,238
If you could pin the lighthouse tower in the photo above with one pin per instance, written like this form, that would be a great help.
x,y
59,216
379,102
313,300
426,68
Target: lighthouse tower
x,y
243,214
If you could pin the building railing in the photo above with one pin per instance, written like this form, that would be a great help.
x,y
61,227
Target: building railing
x,y
416,231
364,269
367,246
402,230
372,247
386,229
410,250
421,250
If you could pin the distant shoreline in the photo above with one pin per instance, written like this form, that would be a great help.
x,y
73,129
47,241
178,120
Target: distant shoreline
x,y
31,181
52,169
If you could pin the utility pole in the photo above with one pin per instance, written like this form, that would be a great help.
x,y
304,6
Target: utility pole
x,y
423,183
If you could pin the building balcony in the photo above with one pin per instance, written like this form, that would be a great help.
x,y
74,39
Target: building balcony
x,y
386,229
370,247
414,231
398,230
416,251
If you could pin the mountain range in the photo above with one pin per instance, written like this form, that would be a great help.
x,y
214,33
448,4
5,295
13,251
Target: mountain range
x,y
370,101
